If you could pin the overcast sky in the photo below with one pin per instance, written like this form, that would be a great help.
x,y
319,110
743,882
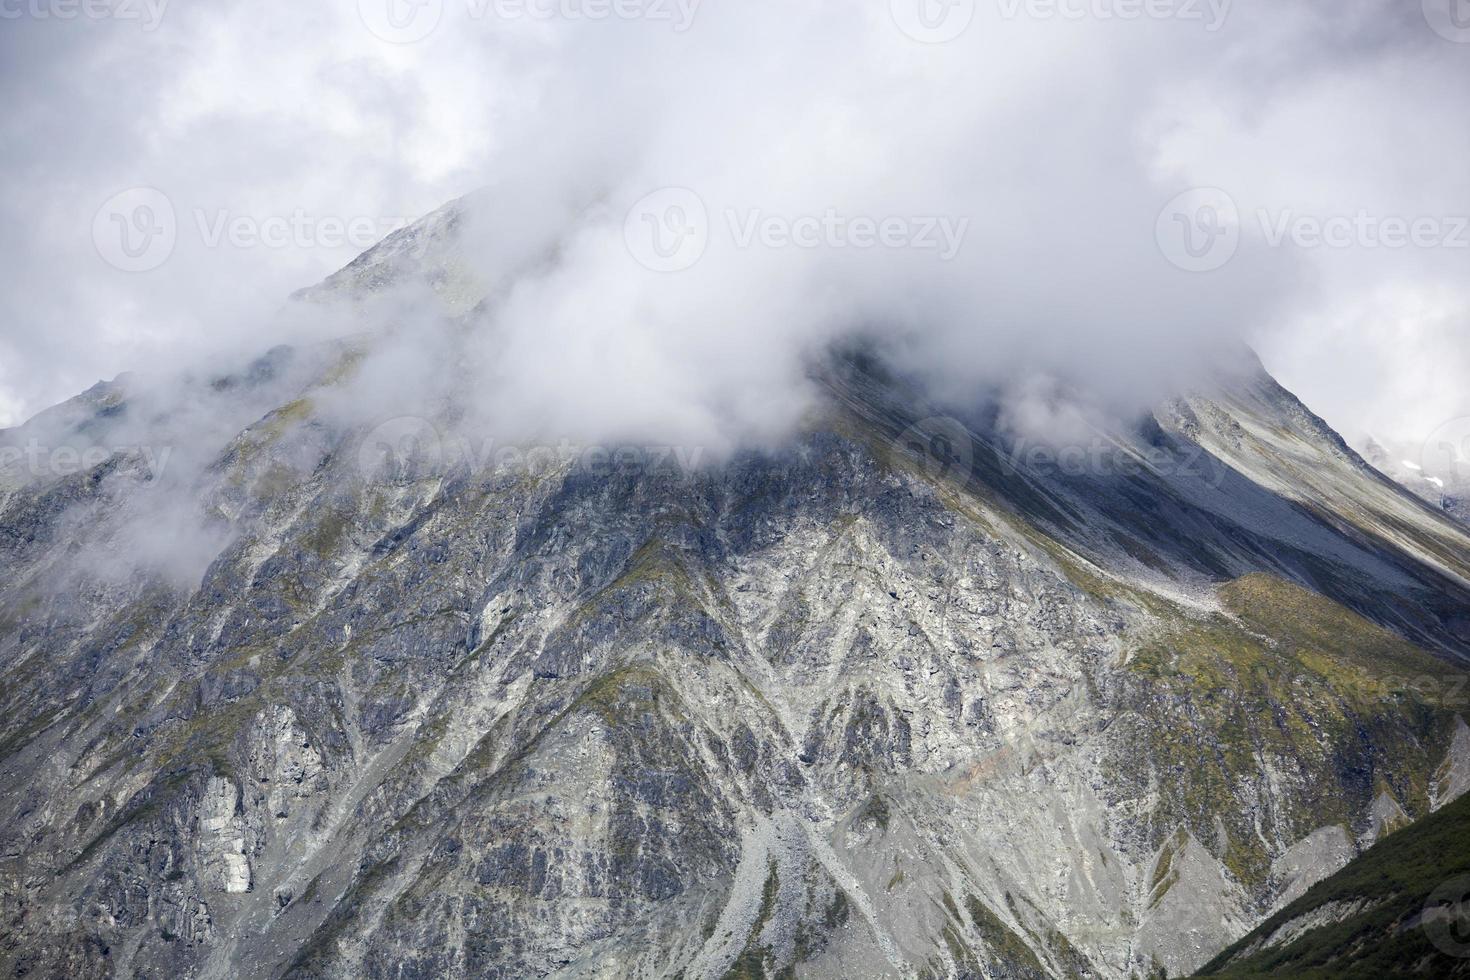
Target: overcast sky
x,y
1094,194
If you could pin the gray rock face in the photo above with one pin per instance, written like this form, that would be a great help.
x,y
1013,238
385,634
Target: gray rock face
x,y
847,708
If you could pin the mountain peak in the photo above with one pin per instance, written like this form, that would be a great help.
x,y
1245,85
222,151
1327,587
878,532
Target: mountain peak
x,y
761,713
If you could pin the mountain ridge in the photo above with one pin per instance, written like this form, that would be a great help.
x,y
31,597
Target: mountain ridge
x,y
890,699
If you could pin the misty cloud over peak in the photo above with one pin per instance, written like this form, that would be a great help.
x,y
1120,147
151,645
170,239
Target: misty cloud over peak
x,y
678,205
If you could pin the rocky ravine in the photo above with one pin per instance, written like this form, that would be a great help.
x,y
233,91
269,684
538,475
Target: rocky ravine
x,y
891,701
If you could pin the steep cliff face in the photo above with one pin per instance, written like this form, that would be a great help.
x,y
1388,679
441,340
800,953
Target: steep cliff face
x,y
900,698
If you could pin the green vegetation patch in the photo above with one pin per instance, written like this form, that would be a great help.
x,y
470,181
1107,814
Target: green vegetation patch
x,y
1002,940
1294,682
1397,876
751,963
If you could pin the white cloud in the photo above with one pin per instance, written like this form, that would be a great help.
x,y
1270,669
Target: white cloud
x,y
1056,140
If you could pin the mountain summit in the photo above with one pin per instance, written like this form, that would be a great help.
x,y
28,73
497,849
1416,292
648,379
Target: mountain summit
x,y
291,693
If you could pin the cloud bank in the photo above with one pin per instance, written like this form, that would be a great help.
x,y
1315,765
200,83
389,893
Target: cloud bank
x,y
683,201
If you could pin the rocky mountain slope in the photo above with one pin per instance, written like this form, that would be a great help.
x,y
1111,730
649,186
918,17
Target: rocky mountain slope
x,y
1398,910
312,697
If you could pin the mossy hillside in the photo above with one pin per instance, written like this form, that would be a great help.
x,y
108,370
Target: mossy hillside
x,y
210,730
624,696
328,533
1397,877
20,609
210,733
822,917
1306,621
1289,681
622,699
256,441
1165,874
1020,954
664,594
23,715
346,366
954,934
754,960
1000,948
1003,942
